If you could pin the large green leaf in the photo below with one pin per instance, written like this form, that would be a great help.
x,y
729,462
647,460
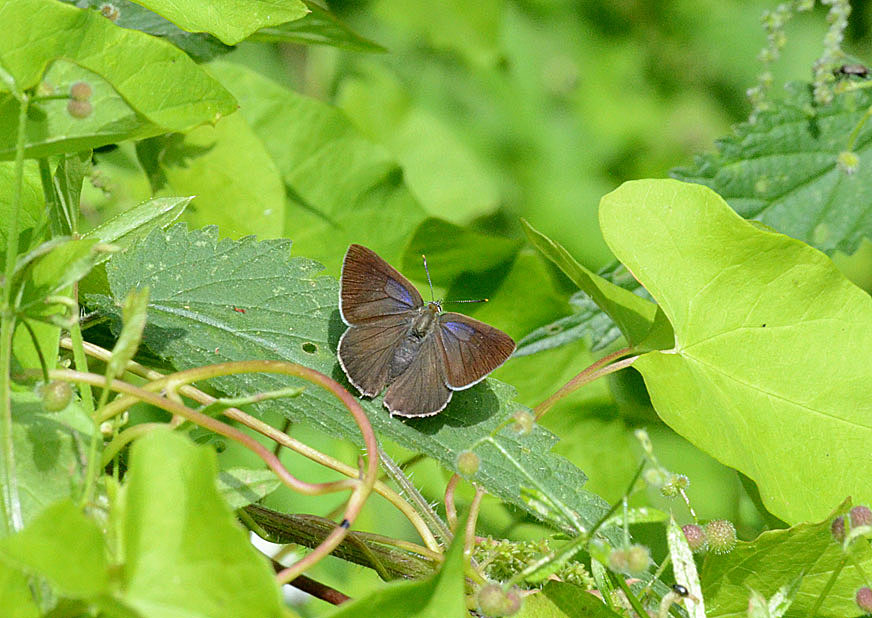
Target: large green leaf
x,y
318,27
228,20
782,169
777,558
186,554
343,188
291,314
64,546
141,85
769,372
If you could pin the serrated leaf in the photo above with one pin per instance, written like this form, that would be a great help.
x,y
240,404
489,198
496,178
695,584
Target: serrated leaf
x,y
242,486
318,27
122,67
441,596
291,314
772,564
782,169
186,554
230,21
65,547
764,374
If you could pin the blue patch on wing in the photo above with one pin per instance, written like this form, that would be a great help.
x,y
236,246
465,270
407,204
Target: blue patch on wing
x,y
399,292
462,331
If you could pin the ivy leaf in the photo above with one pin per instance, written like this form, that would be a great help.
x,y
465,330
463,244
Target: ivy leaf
x,y
199,290
782,169
766,372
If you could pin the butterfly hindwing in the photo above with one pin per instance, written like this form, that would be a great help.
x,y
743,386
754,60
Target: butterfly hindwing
x,y
420,390
471,349
365,352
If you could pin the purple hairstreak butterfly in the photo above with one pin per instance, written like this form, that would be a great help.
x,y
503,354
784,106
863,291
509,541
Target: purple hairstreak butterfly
x,y
395,339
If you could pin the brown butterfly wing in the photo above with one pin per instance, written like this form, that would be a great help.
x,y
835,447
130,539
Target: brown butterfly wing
x,y
420,390
365,352
370,288
470,349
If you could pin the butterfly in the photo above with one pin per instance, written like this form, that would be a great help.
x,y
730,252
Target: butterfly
x,y
395,339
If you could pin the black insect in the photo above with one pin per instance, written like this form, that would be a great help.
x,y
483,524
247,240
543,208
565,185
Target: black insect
x,y
680,590
853,70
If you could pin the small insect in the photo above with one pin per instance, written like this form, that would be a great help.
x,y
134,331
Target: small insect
x,y
394,339
853,70
680,590
238,310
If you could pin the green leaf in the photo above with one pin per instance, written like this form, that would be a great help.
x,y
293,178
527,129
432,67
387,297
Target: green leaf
x,y
186,555
291,314
67,187
684,568
243,486
62,264
65,547
318,27
125,228
30,213
562,600
49,451
15,593
343,188
782,169
133,317
632,314
452,250
199,46
441,596
228,20
764,374
242,195
122,67
771,565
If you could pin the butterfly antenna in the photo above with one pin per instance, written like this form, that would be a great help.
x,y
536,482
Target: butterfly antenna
x,y
427,270
478,300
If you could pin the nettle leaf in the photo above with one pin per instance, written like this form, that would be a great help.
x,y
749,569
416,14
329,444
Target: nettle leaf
x,y
123,67
769,370
318,27
772,564
342,187
198,285
186,554
782,169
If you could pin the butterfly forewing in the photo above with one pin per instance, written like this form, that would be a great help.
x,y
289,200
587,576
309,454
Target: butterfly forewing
x,y
420,390
371,288
365,352
471,349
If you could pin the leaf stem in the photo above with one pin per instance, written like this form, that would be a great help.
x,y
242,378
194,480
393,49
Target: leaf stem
x,y
597,370
160,382
12,518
